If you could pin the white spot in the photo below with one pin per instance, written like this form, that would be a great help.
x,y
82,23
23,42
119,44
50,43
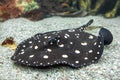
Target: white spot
x,y
90,37
84,64
95,43
76,62
96,58
65,56
30,42
99,46
36,47
71,30
41,63
72,64
45,37
24,46
54,33
51,43
84,44
22,61
19,59
48,63
65,36
93,61
31,56
77,51
22,50
39,41
100,42
77,35
49,36
45,56
86,58
22,53
64,62
44,43
26,61
62,45
37,65
49,50
55,61
71,42
98,52
58,40
90,51
31,46
34,62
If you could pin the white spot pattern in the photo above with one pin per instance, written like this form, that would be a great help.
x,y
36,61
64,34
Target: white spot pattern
x,y
99,46
39,41
55,61
22,52
84,44
95,43
77,35
45,37
41,63
86,58
62,45
22,49
49,50
98,52
65,56
90,37
36,47
45,56
31,46
67,35
76,62
48,63
30,42
71,30
31,56
24,46
93,61
96,58
71,42
77,51
90,51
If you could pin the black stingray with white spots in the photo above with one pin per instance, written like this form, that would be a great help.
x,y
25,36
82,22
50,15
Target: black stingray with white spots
x,y
73,47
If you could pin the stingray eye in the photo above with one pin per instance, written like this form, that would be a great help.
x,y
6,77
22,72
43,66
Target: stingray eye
x,y
54,41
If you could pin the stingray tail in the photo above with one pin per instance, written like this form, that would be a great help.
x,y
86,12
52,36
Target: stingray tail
x,y
107,36
86,25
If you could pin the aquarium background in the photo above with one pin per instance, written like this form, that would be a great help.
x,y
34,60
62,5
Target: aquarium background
x,y
21,19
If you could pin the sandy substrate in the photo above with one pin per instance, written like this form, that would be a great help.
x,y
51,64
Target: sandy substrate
x,y
108,67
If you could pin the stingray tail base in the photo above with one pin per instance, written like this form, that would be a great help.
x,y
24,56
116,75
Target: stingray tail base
x,y
87,24
107,36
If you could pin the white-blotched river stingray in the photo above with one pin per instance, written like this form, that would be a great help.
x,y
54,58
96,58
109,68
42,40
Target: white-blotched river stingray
x,y
73,47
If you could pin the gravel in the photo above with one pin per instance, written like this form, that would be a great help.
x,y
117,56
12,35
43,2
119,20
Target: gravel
x,y
108,67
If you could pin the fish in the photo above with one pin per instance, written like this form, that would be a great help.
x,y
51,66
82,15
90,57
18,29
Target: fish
x,y
72,47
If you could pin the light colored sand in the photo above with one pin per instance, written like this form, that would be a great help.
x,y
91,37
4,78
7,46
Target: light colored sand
x,y
108,67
